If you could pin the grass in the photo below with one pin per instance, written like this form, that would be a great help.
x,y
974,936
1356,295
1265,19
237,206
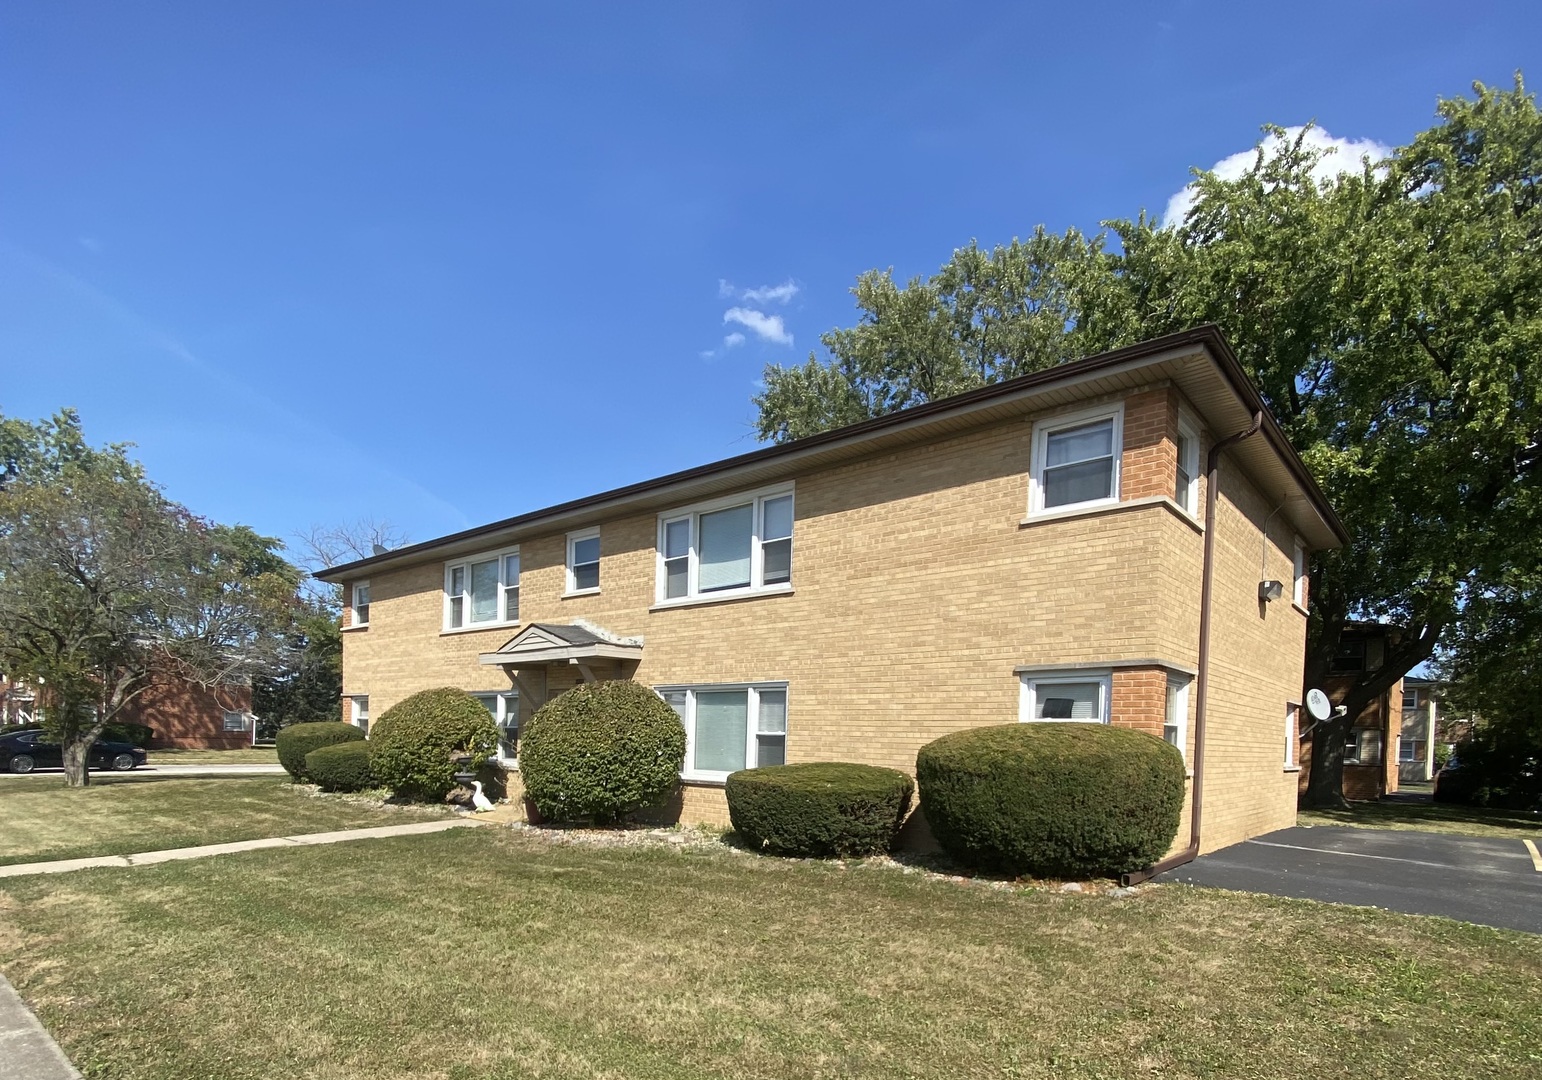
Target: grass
x,y
483,954
246,755
1430,817
42,819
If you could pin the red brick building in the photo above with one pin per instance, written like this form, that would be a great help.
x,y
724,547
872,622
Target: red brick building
x,y
181,714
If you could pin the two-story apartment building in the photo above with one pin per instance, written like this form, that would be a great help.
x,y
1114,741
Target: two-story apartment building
x,y
1033,550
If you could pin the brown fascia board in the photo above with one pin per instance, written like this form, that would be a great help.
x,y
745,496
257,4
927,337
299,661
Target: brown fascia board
x,y
1208,336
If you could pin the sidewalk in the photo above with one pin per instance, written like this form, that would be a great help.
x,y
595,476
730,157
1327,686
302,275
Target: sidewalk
x,y
27,1051
150,858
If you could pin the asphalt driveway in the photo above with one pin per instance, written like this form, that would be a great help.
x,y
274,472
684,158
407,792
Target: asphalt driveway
x,y
1493,881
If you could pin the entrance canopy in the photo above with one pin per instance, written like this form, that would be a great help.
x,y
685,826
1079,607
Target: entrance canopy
x,y
564,643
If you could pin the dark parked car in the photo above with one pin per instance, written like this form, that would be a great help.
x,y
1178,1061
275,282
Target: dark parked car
x,y
23,751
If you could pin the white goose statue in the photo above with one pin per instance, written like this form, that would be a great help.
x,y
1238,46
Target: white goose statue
x,y
478,800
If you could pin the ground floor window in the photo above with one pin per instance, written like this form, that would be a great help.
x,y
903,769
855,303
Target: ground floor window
x,y
1176,725
234,721
1081,697
359,711
503,705
728,728
1292,734
1409,750
1363,747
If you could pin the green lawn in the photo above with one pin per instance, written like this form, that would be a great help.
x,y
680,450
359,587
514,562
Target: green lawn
x,y
1429,817
41,819
246,755
485,954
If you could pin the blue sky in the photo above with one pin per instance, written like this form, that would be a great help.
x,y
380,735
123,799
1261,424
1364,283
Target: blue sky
x,y
445,263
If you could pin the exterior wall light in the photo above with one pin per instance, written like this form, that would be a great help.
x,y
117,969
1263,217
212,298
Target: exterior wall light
x,y
1270,590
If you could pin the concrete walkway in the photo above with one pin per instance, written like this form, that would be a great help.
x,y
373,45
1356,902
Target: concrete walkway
x,y
149,858
159,772
27,1052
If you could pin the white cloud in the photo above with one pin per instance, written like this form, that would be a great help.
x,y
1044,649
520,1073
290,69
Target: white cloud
x,y
733,339
766,327
1341,156
725,288
707,354
772,294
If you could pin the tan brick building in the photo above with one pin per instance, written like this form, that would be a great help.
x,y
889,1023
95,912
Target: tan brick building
x,y
1032,550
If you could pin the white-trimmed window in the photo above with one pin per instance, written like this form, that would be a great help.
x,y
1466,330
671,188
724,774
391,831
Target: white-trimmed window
x,y
1076,460
583,561
234,721
1081,697
1175,726
725,547
482,590
1299,575
1407,750
1363,747
503,706
1186,482
728,728
1292,734
358,711
358,604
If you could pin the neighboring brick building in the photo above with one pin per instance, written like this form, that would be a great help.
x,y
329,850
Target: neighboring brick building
x,y
1372,748
1030,550
181,714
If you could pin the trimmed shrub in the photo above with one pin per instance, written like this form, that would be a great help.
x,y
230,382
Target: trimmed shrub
x,y
298,740
819,809
1053,800
342,766
416,746
600,751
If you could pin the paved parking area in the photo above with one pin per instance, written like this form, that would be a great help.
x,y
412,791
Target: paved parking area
x,y
1493,881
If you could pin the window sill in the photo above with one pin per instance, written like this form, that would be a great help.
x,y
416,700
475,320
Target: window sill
x,y
1045,517
704,780
359,626
1293,768
581,592
478,628
722,598
1301,609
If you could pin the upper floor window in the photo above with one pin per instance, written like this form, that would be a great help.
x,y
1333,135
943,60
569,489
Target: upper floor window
x,y
358,604
584,561
728,546
1079,697
482,590
1076,460
1350,657
1186,483
1299,575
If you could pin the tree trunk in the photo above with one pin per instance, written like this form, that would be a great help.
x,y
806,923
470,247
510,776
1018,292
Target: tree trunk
x,y
1325,783
77,754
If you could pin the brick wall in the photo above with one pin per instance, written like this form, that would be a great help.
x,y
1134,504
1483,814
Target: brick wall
x,y
187,716
918,587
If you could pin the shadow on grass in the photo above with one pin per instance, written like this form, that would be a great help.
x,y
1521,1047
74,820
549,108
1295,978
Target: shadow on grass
x,y
1445,817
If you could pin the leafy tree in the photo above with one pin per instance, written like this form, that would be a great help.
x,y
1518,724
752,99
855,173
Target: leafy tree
x,y
105,584
1392,319
309,683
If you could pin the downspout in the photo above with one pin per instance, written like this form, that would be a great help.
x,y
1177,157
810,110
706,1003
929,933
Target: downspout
x,y
1202,694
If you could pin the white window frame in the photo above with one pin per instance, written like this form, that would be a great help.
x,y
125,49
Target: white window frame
x,y
354,621
693,513
1176,705
1300,574
358,711
575,538
505,707
226,714
1028,695
1411,746
1043,429
1188,500
752,721
501,556
1292,734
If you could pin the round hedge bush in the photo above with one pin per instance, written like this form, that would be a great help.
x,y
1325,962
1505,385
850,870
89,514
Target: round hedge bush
x,y
340,767
1053,800
600,751
298,740
416,744
819,809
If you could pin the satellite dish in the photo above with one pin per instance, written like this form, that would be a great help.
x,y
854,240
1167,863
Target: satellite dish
x,y
378,549
1318,705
